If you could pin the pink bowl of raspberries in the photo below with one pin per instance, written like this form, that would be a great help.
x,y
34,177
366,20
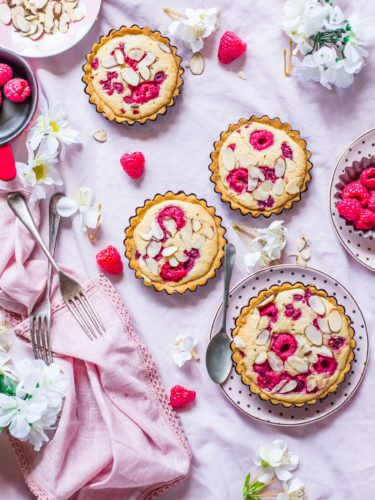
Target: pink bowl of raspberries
x,y
356,196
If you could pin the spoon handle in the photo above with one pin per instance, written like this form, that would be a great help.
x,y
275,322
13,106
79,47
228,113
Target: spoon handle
x,y
230,255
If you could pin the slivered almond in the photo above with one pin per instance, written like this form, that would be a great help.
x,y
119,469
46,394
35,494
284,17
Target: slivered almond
x,y
280,167
247,161
260,195
130,76
169,251
170,226
208,232
288,387
266,186
149,59
261,358
311,384
263,322
256,173
255,318
323,351
188,229
144,71
239,342
275,362
164,48
119,56
279,386
263,337
157,231
22,24
136,54
38,32
267,300
323,325
109,62
278,187
312,357
334,321
251,184
196,225
317,305
314,335
173,262
227,158
321,383
199,241
181,257
292,187
298,364
5,13
100,136
197,64
153,248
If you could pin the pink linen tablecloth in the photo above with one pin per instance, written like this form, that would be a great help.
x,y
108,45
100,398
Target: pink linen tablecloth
x,y
337,459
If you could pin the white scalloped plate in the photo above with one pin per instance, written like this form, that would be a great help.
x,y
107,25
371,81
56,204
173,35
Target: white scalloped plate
x,y
362,249
251,404
51,45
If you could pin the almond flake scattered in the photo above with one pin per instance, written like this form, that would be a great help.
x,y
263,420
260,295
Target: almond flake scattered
x,y
100,136
197,64
242,75
303,253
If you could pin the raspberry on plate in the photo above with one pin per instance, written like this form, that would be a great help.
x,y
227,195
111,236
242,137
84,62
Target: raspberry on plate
x,y
6,73
349,208
180,396
368,177
366,219
109,260
133,164
17,90
230,48
371,203
357,191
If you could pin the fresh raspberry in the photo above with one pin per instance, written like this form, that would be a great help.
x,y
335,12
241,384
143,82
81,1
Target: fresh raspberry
x,y
230,48
133,164
6,73
284,345
368,177
286,151
349,209
271,311
109,260
1,99
238,180
357,191
336,343
180,396
261,139
325,365
371,203
175,274
366,219
17,90
171,212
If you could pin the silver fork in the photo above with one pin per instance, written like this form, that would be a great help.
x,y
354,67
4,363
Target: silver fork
x,y
72,292
40,319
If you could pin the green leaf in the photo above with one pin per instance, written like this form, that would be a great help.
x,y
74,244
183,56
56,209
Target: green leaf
x,y
265,464
7,385
257,487
247,480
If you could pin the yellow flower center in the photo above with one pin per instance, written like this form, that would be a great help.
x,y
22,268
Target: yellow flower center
x,y
40,171
54,126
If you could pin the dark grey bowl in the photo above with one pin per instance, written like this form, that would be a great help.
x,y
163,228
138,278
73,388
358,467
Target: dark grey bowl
x,y
15,117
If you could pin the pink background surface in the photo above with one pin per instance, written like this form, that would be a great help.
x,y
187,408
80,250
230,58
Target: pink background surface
x,y
337,459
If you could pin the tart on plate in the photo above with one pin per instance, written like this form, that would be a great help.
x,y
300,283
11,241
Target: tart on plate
x,y
260,166
175,242
133,74
293,344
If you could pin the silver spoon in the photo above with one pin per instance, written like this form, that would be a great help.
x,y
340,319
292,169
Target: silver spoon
x,y
219,353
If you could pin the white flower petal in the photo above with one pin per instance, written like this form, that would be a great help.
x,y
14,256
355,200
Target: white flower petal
x,y
66,206
266,475
181,357
90,218
282,473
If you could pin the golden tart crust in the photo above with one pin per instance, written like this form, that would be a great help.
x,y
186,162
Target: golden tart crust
x,y
260,142
137,88
189,229
323,356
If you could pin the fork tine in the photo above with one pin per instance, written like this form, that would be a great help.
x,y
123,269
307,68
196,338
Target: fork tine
x,y
78,317
83,310
33,335
92,313
48,342
44,333
38,344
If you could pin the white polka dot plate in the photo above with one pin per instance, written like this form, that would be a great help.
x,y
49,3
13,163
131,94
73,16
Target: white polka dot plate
x,y
359,247
251,404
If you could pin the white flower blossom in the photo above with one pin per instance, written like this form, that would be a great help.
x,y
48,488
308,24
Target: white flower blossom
x,y
52,128
39,171
5,334
5,365
267,245
185,349
82,201
19,414
292,490
194,26
274,458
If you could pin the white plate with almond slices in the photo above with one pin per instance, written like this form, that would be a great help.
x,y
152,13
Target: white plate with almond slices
x,y
43,28
265,411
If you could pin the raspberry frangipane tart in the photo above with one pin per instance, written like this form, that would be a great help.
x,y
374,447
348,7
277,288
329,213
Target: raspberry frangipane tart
x,y
133,74
260,166
293,344
175,242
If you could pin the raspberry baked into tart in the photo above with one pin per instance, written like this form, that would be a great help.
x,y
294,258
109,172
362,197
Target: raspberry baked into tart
x,y
175,242
133,74
293,344
260,166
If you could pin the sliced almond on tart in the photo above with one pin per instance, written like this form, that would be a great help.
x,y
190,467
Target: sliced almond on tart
x,y
263,337
292,187
164,48
275,362
314,335
280,167
136,54
261,358
317,305
130,76
288,387
227,158
119,56
152,265
334,321
153,249
298,364
278,187
169,251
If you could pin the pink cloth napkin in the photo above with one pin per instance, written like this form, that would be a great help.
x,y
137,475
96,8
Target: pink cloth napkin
x,y
22,278
118,437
